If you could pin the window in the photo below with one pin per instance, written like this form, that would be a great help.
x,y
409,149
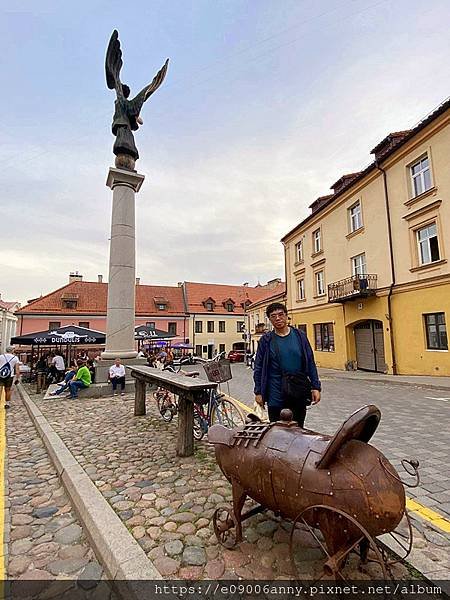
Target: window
x,y
421,176
221,348
359,265
210,326
209,306
70,303
240,326
198,327
302,327
427,241
355,216
324,337
205,348
436,331
229,306
301,289
317,241
54,324
161,306
198,350
320,284
172,328
150,324
84,324
221,326
299,251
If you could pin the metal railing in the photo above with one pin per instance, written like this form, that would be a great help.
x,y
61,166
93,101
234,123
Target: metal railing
x,y
356,286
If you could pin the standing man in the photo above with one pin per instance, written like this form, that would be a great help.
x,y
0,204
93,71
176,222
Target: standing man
x,y
9,370
285,373
117,377
58,366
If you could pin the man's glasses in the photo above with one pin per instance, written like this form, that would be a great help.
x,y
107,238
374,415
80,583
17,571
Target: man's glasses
x,y
277,315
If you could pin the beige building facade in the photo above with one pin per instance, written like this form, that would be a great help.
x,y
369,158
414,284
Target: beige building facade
x,y
368,276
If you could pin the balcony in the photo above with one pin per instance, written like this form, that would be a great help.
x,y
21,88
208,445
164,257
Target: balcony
x,y
352,288
260,328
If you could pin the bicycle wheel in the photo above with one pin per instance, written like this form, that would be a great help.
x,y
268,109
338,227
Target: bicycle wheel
x,y
225,412
199,426
165,405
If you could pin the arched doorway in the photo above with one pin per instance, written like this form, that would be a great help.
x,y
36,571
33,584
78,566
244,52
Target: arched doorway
x,y
369,342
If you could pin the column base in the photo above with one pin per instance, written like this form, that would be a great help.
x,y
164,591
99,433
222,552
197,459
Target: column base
x,y
112,354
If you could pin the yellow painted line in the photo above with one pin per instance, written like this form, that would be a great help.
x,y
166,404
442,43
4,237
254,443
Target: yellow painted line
x,y
435,518
2,483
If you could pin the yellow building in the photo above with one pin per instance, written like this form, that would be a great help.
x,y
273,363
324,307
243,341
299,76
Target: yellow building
x,y
258,321
367,270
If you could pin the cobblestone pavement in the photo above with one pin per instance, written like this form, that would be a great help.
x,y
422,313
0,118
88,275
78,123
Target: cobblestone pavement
x,y
167,502
45,540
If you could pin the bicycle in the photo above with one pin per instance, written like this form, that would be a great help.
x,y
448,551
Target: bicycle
x,y
220,410
166,401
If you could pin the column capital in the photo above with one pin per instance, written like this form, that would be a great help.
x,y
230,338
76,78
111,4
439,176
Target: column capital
x,y
131,179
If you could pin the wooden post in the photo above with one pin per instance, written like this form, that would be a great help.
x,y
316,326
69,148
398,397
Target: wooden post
x,y
139,398
185,442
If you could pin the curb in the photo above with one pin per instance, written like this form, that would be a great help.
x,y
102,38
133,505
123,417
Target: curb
x,y
117,550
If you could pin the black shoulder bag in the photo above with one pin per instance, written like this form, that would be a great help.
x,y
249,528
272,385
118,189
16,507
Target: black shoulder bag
x,y
295,387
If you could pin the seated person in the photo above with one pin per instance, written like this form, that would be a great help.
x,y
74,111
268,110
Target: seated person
x,y
81,380
117,376
64,385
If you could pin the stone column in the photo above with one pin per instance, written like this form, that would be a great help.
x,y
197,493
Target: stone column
x,y
120,317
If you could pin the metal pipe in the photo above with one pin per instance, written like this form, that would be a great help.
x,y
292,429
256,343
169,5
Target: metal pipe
x,y
391,255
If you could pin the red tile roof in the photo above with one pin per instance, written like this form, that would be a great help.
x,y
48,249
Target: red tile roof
x,y
92,298
197,292
275,294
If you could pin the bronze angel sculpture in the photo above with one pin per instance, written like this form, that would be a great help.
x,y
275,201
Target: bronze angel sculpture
x,y
127,112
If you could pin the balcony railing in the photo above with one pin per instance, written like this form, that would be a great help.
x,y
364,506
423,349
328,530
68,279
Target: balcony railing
x,y
357,286
260,328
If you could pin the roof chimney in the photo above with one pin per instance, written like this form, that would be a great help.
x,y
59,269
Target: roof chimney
x,y
99,278
75,277
245,284
138,280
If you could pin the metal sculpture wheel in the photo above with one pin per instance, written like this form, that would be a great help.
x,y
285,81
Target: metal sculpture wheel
x,y
225,527
335,562
404,541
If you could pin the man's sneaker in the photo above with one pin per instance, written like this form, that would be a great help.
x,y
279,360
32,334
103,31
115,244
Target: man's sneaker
x,y
53,394
122,394
7,406
114,393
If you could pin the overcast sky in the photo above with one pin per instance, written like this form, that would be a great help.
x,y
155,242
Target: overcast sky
x,y
266,103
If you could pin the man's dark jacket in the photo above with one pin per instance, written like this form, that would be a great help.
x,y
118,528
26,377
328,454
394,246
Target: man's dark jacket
x,y
261,372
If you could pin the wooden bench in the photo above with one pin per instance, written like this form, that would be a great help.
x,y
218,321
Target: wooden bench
x,y
186,388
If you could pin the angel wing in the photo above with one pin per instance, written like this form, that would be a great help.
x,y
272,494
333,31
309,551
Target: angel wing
x,y
137,102
113,63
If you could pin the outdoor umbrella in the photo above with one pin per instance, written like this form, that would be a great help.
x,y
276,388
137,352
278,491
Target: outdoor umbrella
x,y
142,332
69,334
182,346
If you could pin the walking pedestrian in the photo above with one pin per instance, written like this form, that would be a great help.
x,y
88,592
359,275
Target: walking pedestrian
x,y
285,373
9,372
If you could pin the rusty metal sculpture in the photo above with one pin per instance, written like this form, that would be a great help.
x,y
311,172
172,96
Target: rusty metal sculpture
x,y
339,485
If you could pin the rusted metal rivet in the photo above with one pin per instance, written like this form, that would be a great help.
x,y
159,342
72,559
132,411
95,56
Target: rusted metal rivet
x,y
329,473
331,493
351,487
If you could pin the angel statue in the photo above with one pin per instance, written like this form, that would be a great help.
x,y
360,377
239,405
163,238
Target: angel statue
x,y
127,112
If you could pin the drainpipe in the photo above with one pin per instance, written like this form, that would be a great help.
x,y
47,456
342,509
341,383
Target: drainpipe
x,y
391,255
286,277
